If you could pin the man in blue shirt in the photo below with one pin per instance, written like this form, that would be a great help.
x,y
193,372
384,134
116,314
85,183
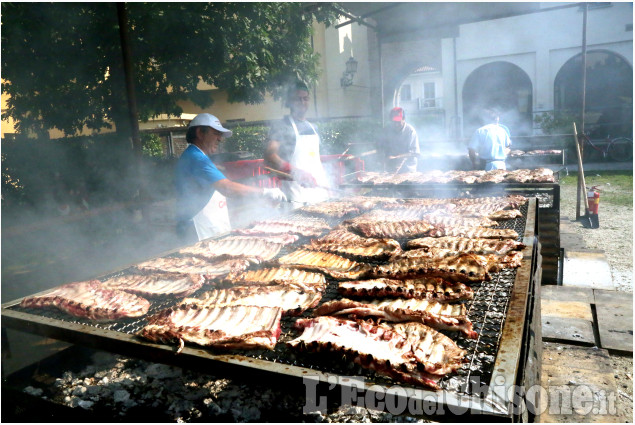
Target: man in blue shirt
x,y
490,145
201,188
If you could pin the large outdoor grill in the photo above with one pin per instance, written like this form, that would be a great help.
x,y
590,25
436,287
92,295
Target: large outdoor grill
x,y
504,311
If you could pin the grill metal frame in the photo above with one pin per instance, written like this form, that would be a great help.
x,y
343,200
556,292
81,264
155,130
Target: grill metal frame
x,y
495,401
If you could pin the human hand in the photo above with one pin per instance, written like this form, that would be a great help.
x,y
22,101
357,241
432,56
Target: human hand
x,y
274,194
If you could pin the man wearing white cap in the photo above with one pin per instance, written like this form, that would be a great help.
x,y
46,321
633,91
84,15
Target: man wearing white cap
x,y
201,188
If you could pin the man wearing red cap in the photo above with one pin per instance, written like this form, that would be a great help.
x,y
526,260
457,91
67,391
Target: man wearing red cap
x,y
401,144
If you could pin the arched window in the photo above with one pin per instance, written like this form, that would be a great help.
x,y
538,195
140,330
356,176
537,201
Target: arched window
x,y
609,93
503,86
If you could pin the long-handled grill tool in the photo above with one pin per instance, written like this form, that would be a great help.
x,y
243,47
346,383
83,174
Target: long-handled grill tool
x,y
405,157
290,177
586,219
360,156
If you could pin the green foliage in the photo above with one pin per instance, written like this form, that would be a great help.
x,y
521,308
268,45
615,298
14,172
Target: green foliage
x,y
151,145
62,62
557,122
616,187
12,187
248,139
337,134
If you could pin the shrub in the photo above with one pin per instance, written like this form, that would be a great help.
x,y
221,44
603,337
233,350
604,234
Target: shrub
x,y
151,145
248,139
557,122
337,134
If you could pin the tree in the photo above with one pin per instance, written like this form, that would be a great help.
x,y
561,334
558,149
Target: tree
x,y
62,62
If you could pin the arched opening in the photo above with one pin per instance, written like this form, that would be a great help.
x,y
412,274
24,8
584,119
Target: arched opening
x,y
609,93
503,86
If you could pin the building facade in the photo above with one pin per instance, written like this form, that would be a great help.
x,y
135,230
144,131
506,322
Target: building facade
x,y
523,65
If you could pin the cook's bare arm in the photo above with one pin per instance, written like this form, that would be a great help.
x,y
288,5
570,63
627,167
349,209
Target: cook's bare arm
x,y
232,189
272,159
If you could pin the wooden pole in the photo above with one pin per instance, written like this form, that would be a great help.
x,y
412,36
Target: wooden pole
x,y
577,147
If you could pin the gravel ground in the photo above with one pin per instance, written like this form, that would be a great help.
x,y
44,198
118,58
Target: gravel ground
x,y
615,238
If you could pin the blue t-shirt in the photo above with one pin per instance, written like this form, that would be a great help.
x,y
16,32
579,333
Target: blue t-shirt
x,y
490,142
195,175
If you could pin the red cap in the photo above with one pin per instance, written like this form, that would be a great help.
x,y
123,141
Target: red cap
x,y
396,114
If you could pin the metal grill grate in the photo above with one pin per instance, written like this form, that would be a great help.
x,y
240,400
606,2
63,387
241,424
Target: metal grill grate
x,y
487,311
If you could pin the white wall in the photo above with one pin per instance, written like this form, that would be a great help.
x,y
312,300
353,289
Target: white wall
x,y
340,45
541,43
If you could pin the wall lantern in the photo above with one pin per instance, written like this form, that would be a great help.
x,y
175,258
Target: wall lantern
x,y
351,69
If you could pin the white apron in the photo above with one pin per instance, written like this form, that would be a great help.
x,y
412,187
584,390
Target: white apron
x,y
213,218
306,156
495,165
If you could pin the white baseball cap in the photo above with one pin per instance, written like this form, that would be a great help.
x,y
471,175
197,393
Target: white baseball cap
x,y
209,120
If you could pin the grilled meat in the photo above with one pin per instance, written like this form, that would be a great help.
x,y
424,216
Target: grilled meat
x,y
291,301
281,239
331,209
298,220
210,270
365,203
493,176
475,246
509,201
157,285
505,215
344,242
381,249
543,175
452,220
411,352
401,214
344,236
474,232
439,177
392,229
273,228
334,265
90,300
491,262
424,288
459,268
295,278
255,248
539,175
431,313
240,327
